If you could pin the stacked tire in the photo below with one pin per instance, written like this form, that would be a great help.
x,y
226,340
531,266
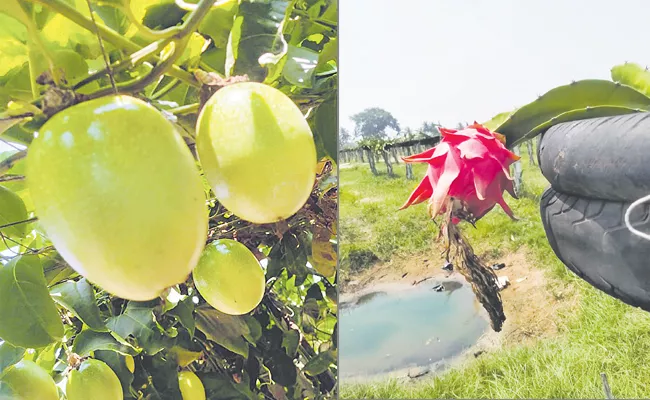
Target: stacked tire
x,y
597,168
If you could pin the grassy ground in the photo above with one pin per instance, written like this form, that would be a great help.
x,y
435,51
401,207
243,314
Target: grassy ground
x,y
600,335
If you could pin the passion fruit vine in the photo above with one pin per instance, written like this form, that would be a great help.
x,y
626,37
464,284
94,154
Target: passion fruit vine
x,y
119,195
257,151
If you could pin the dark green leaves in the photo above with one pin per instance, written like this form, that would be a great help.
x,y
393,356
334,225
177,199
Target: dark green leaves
x,y
88,341
9,355
79,298
326,125
138,321
320,363
257,32
300,65
184,313
28,313
228,331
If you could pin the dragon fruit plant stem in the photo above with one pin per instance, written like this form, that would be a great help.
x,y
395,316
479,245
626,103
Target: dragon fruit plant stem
x,y
468,172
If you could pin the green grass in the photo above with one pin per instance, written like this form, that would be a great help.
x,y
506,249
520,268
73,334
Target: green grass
x,y
600,335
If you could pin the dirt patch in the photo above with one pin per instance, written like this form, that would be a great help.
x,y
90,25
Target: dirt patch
x,y
532,301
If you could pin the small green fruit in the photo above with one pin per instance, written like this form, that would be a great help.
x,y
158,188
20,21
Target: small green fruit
x,y
191,386
93,380
229,277
257,151
25,380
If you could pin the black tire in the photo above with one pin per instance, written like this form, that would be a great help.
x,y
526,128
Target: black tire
x,y
603,158
590,237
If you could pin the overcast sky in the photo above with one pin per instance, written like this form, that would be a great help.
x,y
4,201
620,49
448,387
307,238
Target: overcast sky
x,y
464,60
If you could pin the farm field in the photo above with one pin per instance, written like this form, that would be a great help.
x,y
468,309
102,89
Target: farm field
x,y
561,333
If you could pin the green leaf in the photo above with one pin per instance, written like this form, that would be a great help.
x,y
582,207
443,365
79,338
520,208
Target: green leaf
x,y
73,65
117,362
184,312
28,313
12,210
164,15
226,330
562,99
257,32
290,342
218,23
254,329
497,120
46,358
330,52
113,17
300,66
283,370
633,75
12,8
164,378
56,270
9,355
314,292
138,321
220,387
79,298
88,341
326,126
320,363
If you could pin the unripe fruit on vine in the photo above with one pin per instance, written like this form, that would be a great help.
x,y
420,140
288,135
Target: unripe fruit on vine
x,y
119,195
257,151
27,381
191,386
93,379
229,277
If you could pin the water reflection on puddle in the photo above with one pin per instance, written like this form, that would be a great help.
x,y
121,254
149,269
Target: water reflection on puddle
x,y
386,331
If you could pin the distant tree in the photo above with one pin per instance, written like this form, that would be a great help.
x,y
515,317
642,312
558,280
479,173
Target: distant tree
x,y
346,138
372,123
429,129
408,133
461,125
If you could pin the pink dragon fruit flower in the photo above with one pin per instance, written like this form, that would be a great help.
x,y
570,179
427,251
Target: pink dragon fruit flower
x,y
471,166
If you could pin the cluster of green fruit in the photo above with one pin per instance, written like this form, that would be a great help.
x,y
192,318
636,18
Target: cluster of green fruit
x,y
120,196
90,379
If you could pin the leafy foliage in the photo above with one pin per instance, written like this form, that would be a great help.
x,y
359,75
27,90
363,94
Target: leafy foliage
x,y
590,98
166,53
372,123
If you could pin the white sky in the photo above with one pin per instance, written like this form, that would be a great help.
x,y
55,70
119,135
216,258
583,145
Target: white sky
x,y
464,60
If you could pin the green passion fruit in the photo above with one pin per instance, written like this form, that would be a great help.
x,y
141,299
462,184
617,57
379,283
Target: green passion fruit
x,y
25,380
93,379
191,386
229,277
119,195
257,151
